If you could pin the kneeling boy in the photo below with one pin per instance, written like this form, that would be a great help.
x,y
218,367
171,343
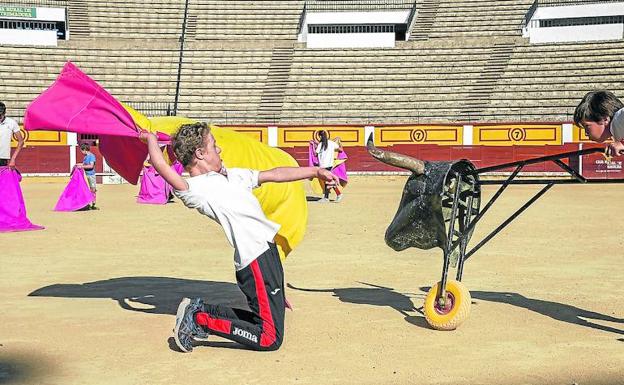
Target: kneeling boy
x,y
224,195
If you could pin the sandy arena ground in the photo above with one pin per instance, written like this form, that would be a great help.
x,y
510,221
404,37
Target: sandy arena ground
x,y
90,300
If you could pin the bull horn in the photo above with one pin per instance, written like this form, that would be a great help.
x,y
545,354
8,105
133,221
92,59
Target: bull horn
x,y
416,166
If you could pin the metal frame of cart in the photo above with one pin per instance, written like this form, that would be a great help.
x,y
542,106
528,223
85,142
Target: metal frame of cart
x,y
447,304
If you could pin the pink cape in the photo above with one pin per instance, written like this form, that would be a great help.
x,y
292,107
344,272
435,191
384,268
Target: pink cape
x,y
12,208
77,194
154,188
340,171
76,103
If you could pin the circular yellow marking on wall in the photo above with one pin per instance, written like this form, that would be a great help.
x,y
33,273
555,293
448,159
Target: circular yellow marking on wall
x,y
419,135
517,134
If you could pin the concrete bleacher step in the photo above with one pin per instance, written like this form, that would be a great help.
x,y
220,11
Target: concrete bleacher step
x,y
244,20
128,19
191,27
467,18
274,90
426,13
479,98
78,14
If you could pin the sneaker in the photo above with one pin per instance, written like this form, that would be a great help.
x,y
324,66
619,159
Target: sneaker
x,y
323,200
338,198
186,329
94,207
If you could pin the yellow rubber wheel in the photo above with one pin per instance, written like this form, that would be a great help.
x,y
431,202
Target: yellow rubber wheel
x,y
455,310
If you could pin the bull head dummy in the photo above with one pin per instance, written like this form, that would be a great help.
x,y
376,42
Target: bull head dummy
x,y
425,206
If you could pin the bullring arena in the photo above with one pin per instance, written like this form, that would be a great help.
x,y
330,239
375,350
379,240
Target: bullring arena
x,y
92,298
96,306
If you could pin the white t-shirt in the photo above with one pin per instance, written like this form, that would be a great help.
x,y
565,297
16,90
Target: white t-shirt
x,y
326,157
617,125
7,128
229,202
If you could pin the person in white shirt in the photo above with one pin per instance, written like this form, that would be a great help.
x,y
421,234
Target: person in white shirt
x,y
601,114
8,128
224,195
326,151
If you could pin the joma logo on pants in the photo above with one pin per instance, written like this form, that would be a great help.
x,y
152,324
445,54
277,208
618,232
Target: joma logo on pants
x,y
245,334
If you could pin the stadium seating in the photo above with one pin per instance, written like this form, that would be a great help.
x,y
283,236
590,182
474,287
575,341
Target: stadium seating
x,y
242,64
130,73
126,19
471,18
243,19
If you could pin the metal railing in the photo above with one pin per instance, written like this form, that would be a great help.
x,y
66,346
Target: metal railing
x,y
353,5
379,117
152,108
529,15
411,19
180,59
301,18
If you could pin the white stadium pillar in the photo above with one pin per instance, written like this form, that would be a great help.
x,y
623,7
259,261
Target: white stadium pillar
x,y
566,132
467,136
272,136
72,142
368,130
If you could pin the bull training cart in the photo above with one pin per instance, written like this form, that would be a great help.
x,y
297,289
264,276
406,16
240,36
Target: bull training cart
x,y
455,211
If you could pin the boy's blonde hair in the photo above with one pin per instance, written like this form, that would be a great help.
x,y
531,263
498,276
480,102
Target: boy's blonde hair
x,y
597,105
187,139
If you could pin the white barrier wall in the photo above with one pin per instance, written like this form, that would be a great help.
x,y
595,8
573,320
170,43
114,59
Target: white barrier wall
x,y
385,17
350,40
27,37
585,10
537,34
576,33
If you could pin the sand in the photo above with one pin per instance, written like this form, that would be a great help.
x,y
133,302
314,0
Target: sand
x,y
91,299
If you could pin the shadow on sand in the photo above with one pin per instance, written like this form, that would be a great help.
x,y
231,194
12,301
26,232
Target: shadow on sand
x,y
376,295
555,310
161,295
22,369
157,295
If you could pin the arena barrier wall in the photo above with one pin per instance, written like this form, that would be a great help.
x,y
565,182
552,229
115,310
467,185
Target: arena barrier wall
x,y
485,144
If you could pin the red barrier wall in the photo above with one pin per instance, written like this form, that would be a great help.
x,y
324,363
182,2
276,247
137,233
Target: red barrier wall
x,y
43,159
55,159
595,166
481,156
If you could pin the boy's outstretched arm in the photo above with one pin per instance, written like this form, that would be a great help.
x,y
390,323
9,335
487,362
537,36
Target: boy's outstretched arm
x,y
289,174
615,149
160,164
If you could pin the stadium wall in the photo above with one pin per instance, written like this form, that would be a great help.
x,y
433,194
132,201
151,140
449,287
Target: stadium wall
x,y
52,153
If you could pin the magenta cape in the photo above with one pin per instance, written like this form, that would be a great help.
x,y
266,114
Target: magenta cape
x,y
154,189
76,103
12,208
312,157
340,171
77,194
